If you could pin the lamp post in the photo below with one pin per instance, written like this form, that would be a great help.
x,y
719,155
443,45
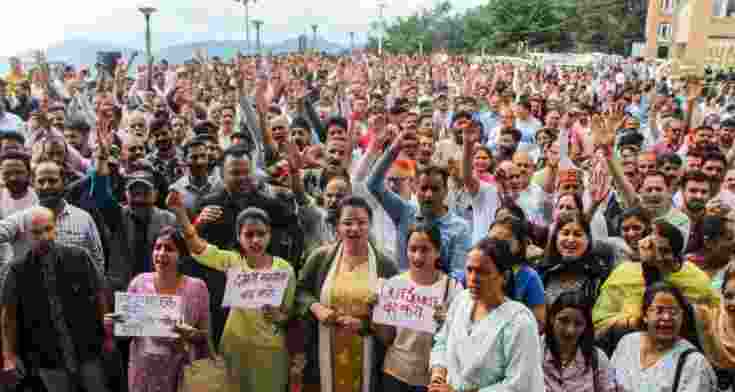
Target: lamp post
x,y
314,29
381,7
147,11
246,5
258,24
352,41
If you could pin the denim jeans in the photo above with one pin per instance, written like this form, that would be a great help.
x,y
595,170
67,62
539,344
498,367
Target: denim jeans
x,y
90,375
392,384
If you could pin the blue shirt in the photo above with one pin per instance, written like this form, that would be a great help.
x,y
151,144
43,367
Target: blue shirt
x,y
455,233
529,288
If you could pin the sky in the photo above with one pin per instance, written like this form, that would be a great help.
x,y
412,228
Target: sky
x,y
42,23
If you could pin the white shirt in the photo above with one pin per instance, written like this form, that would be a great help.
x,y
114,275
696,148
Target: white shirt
x,y
11,122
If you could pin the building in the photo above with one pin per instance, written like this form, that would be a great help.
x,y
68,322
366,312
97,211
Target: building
x,y
703,34
659,28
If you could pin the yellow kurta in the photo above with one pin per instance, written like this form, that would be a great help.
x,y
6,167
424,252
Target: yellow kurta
x,y
349,297
255,351
621,296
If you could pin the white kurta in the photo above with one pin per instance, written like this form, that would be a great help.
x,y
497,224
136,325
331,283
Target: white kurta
x,y
501,352
696,375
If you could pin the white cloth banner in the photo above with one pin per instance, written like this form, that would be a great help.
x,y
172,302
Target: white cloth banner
x,y
255,289
147,314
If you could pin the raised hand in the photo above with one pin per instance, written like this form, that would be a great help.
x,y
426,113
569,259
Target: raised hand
x,y
174,201
694,89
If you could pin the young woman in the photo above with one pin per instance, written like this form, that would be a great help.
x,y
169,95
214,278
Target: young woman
x,y
156,363
483,322
571,361
254,340
570,262
406,367
647,361
718,339
527,287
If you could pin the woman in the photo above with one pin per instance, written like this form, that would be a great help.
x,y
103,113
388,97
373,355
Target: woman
x,y
570,262
488,341
571,361
406,367
156,363
254,340
647,361
527,287
634,225
718,325
482,164
616,311
335,290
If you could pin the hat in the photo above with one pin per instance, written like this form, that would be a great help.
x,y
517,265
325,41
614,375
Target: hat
x,y
140,177
280,121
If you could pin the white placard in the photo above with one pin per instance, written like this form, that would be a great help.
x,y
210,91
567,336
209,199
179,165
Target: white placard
x,y
254,289
403,304
147,314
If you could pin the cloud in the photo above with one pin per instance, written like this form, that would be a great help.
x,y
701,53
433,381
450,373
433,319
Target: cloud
x,y
179,21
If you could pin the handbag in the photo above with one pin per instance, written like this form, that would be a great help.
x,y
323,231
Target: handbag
x,y
205,375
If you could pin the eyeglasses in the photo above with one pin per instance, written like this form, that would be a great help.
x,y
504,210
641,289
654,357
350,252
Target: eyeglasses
x,y
661,310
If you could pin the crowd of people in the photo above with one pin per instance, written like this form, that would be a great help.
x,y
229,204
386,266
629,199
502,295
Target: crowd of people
x,y
579,223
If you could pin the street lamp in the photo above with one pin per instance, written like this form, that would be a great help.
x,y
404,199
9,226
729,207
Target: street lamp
x,y
314,28
246,5
147,11
257,23
381,7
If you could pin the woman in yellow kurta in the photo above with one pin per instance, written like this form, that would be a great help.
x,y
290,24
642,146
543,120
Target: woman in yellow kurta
x,y
254,340
618,307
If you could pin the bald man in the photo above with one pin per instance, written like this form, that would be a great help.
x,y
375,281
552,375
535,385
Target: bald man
x,y
57,293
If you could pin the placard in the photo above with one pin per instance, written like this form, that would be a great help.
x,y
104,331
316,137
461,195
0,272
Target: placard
x,y
255,289
147,314
403,304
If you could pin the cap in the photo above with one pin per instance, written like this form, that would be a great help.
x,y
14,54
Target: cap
x,y
140,177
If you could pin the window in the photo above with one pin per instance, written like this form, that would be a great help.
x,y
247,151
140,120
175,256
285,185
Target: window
x,y
664,31
723,8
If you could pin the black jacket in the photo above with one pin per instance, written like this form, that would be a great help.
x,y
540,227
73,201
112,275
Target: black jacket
x,y
78,286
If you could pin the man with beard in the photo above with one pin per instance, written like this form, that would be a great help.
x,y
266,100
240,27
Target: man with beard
x,y
198,183
507,144
431,192
165,159
451,148
338,158
714,164
74,226
718,233
17,194
301,133
726,134
696,192
656,200
52,311
133,227
217,219
133,149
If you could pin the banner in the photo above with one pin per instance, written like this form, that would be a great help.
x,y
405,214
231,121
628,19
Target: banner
x,y
254,289
147,314
403,304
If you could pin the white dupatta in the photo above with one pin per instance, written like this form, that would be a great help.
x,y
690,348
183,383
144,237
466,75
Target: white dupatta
x,y
326,334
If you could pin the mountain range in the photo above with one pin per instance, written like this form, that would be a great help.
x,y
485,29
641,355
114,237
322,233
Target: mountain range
x,y
77,51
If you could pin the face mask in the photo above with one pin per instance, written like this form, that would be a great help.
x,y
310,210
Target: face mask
x,y
50,199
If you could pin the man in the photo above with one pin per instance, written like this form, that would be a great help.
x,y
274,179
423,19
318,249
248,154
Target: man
x,y
166,158
227,124
73,225
524,121
656,200
217,220
52,311
8,121
23,104
76,134
11,140
647,162
17,194
696,193
198,183
431,192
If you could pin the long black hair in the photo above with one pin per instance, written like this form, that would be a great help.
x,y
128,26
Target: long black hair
x,y
499,252
688,328
435,237
586,343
